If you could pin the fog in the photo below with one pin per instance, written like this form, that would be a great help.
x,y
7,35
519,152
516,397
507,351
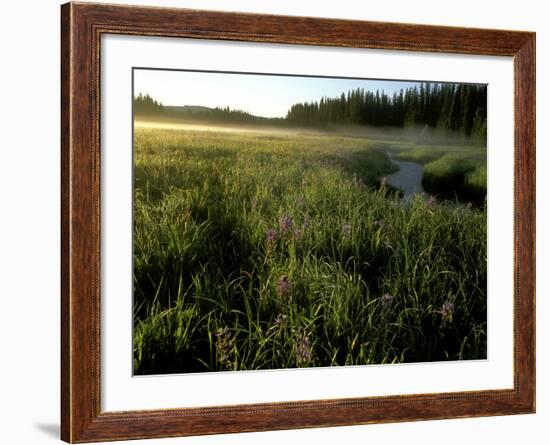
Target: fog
x,y
414,135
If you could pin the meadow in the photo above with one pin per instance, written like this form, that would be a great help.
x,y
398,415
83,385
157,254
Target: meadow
x,y
288,249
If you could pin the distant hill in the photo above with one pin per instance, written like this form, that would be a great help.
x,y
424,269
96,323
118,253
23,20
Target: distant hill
x,y
146,107
188,109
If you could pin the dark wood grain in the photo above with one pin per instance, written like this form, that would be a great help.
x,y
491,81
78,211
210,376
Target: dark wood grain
x,y
81,28
65,216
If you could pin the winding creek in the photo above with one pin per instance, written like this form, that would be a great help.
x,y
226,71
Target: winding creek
x,y
408,178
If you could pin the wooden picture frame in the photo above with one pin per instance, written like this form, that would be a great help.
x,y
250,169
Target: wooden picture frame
x,y
82,25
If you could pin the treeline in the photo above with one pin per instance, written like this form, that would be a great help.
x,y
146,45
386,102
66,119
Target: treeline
x,y
217,115
458,107
146,106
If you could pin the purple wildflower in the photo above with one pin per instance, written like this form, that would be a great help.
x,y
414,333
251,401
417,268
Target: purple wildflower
x,y
297,234
304,352
447,311
279,320
284,287
431,201
386,300
271,236
285,224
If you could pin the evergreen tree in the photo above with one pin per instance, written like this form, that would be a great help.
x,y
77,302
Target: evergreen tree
x,y
459,108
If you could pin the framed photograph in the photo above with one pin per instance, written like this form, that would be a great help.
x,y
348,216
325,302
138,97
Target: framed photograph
x,y
275,222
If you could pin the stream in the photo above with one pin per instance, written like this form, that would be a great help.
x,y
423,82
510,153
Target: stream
x,y
408,178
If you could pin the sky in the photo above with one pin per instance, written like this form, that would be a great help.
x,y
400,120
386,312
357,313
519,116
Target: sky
x,y
258,94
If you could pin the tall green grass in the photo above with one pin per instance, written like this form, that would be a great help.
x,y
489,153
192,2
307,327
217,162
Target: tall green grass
x,y
276,251
422,155
450,171
457,175
475,181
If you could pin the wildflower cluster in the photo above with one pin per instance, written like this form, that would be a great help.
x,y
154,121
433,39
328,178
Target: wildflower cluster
x,y
271,237
287,230
386,300
284,287
285,224
447,311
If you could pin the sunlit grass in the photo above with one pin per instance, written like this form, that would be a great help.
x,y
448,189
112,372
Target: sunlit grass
x,y
259,251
